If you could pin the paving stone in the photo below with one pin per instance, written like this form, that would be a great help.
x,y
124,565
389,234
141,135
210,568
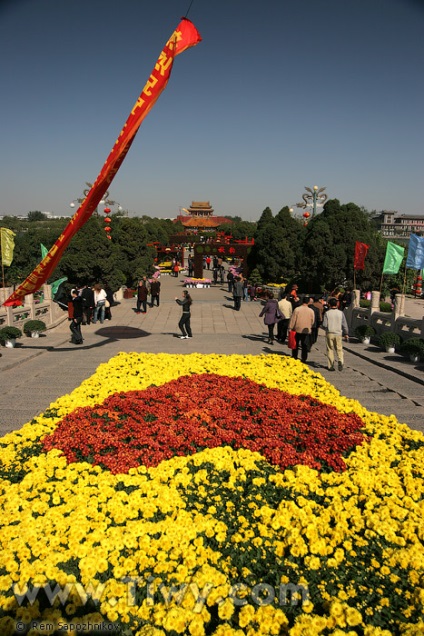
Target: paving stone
x,y
33,376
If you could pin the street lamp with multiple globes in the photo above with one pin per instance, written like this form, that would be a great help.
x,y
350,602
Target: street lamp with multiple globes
x,y
104,201
107,210
313,198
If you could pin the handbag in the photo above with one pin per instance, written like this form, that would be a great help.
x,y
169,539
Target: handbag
x,y
291,342
107,303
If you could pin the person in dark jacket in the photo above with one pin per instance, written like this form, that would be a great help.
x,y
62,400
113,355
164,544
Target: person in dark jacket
x,y
271,315
184,323
76,320
155,292
238,291
142,293
109,302
87,295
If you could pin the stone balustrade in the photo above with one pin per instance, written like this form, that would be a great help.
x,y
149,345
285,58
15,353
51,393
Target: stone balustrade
x,y
381,321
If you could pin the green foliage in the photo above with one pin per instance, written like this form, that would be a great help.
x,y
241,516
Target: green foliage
x,y
255,277
413,346
385,307
90,257
329,247
36,216
363,331
239,230
9,333
389,339
277,252
34,325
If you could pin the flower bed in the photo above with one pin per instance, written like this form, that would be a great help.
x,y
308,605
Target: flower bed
x,y
197,282
275,506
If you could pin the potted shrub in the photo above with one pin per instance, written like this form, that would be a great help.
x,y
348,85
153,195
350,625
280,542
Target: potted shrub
x,y
389,340
386,307
8,336
365,333
413,348
33,328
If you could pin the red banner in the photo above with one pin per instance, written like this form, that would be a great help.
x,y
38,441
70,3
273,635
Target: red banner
x,y
184,36
361,250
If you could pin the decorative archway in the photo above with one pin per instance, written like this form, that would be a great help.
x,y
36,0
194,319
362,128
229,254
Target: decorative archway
x,y
227,250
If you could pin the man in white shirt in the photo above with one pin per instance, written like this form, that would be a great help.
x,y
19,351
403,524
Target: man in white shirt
x,y
286,311
335,325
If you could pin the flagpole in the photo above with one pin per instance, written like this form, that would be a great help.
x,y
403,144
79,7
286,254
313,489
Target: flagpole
x,y
404,282
381,282
1,254
354,278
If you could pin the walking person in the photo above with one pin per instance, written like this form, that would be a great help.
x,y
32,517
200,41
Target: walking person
x,y
245,290
301,322
230,281
99,303
155,292
77,316
336,328
109,302
237,293
142,293
286,310
271,315
184,323
87,295
314,333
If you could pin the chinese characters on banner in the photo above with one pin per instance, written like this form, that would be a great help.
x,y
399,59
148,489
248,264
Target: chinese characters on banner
x,y
184,37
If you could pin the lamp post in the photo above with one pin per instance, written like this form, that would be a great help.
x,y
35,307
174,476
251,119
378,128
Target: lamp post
x,y
105,201
107,209
313,198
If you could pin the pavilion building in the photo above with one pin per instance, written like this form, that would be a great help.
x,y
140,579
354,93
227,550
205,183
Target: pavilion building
x,y
199,217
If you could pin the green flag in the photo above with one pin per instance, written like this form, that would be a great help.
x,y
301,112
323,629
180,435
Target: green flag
x,y
394,257
57,283
44,250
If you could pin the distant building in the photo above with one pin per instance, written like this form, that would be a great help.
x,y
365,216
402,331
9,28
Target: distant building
x,y
200,217
399,226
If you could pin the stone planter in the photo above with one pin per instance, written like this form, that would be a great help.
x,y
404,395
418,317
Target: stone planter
x,y
10,344
390,349
366,340
35,334
414,357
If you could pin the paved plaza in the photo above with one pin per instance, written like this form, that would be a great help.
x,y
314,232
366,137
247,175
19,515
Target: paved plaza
x,y
38,371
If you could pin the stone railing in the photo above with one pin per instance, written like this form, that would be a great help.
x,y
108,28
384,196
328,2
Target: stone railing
x,y
381,321
46,310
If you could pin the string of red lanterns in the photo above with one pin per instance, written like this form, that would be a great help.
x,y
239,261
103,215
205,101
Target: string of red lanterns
x,y
107,220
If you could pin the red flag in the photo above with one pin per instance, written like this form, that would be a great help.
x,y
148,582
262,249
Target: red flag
x,y
184,36
361,250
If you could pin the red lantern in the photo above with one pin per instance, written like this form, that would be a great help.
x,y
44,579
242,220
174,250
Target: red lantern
x,y
306,215
109,237
107,220
107,228
107,210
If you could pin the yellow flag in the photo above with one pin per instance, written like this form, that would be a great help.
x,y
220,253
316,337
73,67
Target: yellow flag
x,y
7,245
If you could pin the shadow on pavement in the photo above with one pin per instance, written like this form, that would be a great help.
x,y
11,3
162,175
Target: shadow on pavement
x,y
122,333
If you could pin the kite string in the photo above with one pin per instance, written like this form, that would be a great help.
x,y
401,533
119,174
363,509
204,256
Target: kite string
x,y
189,8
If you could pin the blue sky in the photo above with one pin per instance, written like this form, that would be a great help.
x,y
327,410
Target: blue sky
x,y
276,97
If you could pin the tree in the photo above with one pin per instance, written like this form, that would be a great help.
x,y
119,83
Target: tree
x,y
277,249
36,216
239,230
329,247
